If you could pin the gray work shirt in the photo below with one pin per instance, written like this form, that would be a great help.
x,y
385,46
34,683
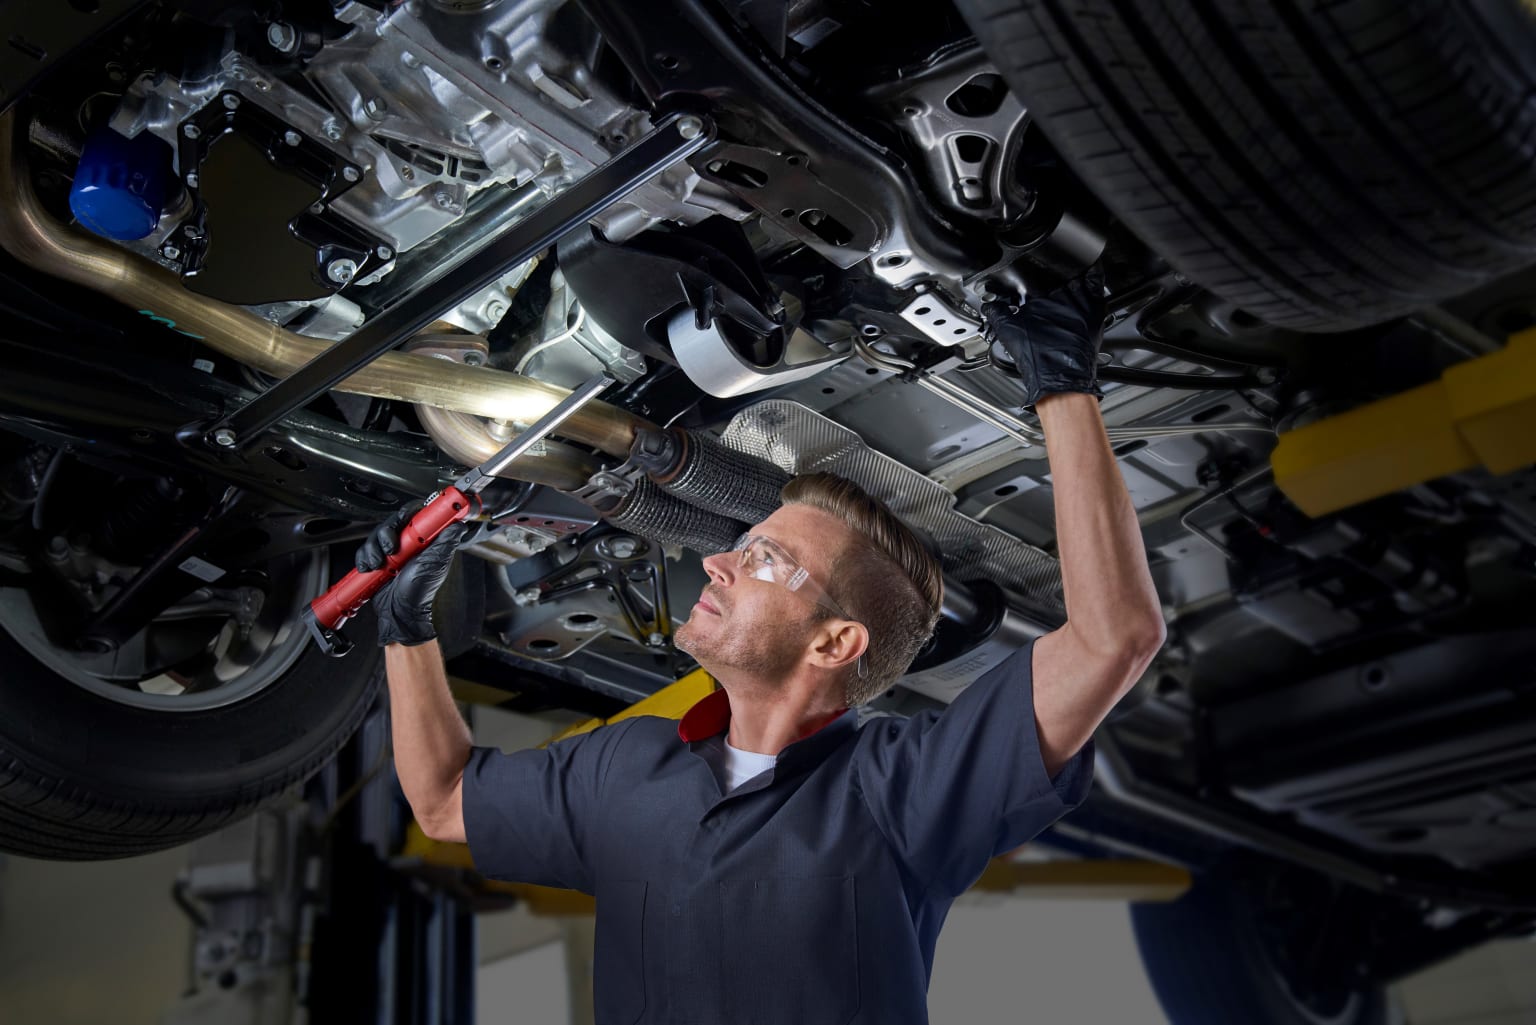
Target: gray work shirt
x,y
811,894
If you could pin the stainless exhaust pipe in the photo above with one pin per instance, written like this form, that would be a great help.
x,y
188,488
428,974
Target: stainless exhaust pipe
x,y
31,235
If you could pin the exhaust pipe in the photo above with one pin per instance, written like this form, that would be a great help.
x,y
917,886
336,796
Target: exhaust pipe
x,y
31,235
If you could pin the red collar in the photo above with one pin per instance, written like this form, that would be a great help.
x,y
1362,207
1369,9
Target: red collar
x,y
711,714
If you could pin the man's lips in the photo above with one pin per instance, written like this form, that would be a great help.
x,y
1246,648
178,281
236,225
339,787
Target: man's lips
x,y
706,606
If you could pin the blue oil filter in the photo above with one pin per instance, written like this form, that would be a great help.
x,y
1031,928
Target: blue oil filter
x,y
122,184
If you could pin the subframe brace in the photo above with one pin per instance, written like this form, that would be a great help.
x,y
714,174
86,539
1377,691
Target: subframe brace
x,y
675,138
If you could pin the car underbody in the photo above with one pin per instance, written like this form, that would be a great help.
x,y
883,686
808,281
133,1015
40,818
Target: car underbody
x,y
1348,692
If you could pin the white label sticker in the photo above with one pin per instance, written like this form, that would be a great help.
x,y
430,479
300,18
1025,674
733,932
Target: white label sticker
x,y
202,569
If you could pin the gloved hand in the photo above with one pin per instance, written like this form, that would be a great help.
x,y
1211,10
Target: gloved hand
x,y
1054,338
404,607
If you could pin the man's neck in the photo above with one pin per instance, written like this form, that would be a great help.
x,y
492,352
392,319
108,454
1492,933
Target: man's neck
x,y
769,720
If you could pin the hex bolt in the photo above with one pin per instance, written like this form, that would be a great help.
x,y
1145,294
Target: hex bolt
x,y
473,358
331,129
282,37
384,253
690,127
231,101
443,198
192,179
623,547
292,138
317,208
341,270
351,173
656,640
191,131
375,108
170,252
224,437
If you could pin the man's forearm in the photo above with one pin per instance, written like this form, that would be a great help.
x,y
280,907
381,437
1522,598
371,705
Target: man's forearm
x,y
431,740
1111,603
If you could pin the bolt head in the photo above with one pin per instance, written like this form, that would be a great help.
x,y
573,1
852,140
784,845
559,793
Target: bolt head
x,y
282,37
472,358
375,108
341,270
317,208
384,253
224,437
443,198
292,138
351,173
191,131
170,252
231,101
690,127
656,640
192,179
331,129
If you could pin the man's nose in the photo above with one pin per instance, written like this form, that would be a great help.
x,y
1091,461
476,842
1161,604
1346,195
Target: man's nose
x,y
720,567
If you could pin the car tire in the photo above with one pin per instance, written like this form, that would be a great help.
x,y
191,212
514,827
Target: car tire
x,y
1321,166
1211,956
86,777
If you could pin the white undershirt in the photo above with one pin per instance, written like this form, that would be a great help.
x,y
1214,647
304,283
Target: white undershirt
x,y
740,766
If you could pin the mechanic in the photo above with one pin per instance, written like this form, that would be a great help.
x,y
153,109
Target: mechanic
x,y
770,858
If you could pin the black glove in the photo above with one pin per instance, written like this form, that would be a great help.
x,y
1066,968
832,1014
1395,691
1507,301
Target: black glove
x,y
1054,338
404,607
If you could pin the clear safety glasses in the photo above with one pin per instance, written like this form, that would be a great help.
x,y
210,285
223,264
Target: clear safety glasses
x,y
765,560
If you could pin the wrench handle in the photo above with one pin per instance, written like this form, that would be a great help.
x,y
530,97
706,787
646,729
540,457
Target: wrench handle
x,y
349,594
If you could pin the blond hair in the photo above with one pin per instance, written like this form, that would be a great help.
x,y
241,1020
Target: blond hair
x,y
888,579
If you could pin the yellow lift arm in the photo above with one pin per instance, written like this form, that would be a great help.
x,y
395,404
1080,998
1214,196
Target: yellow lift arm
x,y
1481,412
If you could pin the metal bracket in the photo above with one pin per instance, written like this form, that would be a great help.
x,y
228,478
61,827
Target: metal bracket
x,y
604,486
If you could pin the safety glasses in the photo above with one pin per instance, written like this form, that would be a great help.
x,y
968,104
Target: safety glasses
x,y
765,560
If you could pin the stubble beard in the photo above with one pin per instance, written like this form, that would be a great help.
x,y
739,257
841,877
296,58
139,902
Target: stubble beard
x,y
765,650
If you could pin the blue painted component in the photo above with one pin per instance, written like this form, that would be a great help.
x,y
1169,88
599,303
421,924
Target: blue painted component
x,y
121,184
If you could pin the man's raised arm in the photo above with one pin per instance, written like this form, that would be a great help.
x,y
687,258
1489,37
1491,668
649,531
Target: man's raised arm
x,y
1114,621
431,740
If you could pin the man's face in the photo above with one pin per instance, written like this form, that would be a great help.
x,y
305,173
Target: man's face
x,y
759,626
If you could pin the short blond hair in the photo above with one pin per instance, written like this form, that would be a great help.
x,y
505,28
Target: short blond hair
x,y
888,580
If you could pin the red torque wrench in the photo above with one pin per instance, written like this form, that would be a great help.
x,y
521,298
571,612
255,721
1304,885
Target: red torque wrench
x,y
459,501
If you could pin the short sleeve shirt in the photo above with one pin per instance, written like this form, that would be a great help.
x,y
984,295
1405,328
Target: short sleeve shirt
x,y
814,892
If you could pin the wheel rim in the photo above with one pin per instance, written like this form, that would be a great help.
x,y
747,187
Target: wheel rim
x,y
241,660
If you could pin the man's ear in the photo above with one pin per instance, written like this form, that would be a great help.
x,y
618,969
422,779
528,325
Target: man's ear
x,y
839,643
